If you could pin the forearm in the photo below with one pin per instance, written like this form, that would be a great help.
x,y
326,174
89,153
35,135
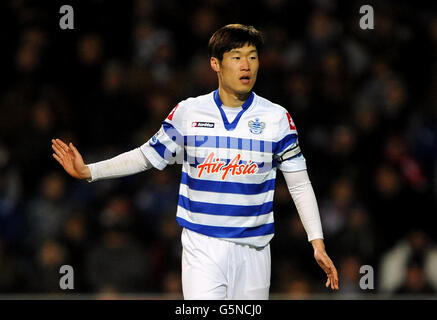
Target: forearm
x,y
125,164
304,198
318,244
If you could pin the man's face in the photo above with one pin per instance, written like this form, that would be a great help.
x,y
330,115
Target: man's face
x,y
238,69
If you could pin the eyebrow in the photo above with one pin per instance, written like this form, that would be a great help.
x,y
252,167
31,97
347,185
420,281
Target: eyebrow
x,y
238,51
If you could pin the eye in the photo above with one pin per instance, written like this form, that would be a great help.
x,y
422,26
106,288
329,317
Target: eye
x,y
236,58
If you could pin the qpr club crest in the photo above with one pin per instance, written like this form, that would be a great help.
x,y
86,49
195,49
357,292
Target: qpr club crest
x,y
256,127
155,138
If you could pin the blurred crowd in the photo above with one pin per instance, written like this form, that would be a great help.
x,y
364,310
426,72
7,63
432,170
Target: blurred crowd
x,y
364,103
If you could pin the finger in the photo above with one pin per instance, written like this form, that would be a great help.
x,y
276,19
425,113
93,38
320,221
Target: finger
x,y
331,281
328,281
59,146
335,276
335,284
330,272
58,151
75,151
57,159
62,145
332,277
56,143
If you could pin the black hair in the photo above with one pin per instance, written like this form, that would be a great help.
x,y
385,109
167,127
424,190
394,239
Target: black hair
x,y
234,36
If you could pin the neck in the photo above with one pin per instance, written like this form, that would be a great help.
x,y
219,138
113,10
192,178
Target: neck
x,y
232,99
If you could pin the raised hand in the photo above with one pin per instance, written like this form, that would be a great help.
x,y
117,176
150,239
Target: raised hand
x,y
70,159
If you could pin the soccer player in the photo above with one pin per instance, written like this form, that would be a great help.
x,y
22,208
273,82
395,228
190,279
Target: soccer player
x,y
230,143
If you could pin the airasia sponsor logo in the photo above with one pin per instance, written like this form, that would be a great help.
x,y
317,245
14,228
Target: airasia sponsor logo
x,y
214,165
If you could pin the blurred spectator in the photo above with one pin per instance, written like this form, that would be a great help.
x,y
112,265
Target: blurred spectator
x,y
391,206
298,289
28,58
75,239
201,76
157,200
409,266
203,22
335,212
415,281
154,50
294,243
48,261
349,268
47,210
171,283
357,236
165,256
291,280
9,277
11,218
395,152
117,262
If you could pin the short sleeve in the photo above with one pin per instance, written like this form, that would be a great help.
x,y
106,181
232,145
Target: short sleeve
x,y
166,146
287,152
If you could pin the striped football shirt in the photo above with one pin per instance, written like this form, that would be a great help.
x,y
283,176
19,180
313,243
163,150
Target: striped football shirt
x,y
228,168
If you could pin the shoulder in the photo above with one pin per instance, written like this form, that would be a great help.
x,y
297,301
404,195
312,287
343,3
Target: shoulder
x,y
186,107
193,102
271,107
279,115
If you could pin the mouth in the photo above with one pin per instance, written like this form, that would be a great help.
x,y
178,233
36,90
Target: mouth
x,y
245,79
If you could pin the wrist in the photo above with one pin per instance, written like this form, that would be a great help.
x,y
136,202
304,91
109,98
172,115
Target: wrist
x,y
318,244
86,173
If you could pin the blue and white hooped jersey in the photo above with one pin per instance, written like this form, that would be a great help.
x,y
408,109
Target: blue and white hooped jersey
x,y
228,169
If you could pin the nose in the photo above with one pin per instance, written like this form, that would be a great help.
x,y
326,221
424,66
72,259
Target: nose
x,y
244,64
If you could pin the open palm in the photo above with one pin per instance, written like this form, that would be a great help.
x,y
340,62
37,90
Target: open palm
x,y
70,159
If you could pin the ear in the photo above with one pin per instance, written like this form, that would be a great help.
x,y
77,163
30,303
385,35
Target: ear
x,y
215,64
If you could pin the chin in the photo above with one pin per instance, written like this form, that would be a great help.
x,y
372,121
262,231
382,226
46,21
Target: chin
x,y
244,90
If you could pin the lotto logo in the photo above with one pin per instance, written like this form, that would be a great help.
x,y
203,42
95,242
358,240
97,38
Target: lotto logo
x,y
197,124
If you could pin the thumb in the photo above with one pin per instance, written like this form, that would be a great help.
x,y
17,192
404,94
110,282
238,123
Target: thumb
x,y
76,153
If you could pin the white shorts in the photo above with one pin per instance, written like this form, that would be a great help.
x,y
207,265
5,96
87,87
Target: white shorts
x,y
215,269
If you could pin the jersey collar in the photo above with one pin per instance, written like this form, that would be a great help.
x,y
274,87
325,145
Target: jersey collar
x,y
231,126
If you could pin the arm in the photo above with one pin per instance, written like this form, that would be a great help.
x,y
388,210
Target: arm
x,y
304,198
127,163
163,148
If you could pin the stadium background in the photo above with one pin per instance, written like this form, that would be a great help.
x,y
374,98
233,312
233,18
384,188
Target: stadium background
x,y
363,101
